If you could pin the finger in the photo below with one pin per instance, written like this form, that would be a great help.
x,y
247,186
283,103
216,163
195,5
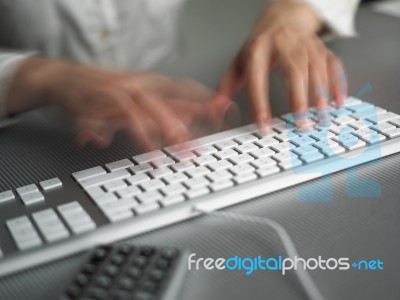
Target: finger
x,y
297,77
318,72
233,79
337,79
258,86
141,128
171,127
99,133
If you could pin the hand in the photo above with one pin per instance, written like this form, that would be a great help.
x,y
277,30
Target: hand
x,y
154,109
285,37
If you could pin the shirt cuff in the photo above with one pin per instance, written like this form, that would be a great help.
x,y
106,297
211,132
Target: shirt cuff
x,y
9,63
338,15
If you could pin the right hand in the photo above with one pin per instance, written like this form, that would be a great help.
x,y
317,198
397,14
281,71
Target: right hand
x,y
153,109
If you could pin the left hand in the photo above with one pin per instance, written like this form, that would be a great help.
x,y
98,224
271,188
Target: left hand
x,y
285,37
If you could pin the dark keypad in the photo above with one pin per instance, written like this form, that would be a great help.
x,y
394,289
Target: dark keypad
x,y
125,272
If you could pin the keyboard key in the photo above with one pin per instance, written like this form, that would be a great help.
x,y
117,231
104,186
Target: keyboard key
x,y
264,152
70,207
266,142
205,150
395,122
354,146
344,120
242,178
312,157
263,162
162,162
221,184
198,171
360,124
220,165
219,175
147,157
152,184
281,128
321,145
124,204
226,144
104,198
302,141
341,129
50,225
32,198
196,182
247,138
89,173
203,160
115,185
171,200
284,146
333,151
149,197
242,169
286,136
146,208
361,107
382,127
129,191
340,111
119,165
392,133
27,189
306,150
373,138
175,178
242,158
383,117
141,168
267,170
136,179
182,166
6,196
51,184
289,164
284,156
223,154
161,172
23,233
102,179
76,217
197,192
246,148
173,189
322,135
183,156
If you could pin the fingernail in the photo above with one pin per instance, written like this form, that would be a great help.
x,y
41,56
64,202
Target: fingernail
x,y
304,124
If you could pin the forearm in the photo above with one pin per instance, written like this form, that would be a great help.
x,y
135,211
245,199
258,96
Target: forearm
x,y
34,84
293,13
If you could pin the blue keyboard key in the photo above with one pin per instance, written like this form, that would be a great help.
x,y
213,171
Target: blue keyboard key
x,y
361,107
305,150
340,112
364,114
313,157
302,141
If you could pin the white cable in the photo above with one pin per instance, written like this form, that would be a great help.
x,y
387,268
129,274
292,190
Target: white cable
x,y
305,279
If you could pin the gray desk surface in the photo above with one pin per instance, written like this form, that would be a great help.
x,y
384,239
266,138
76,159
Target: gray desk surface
x,y
358,228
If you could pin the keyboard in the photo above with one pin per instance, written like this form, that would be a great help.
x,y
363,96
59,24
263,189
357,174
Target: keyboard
x,y
48,220
128,272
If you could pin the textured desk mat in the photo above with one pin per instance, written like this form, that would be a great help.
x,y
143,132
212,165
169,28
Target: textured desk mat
x,y
358,228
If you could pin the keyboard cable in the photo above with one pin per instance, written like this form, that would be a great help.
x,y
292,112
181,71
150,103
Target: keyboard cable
x,y
304,277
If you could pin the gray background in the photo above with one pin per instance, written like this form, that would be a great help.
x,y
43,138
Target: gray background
x,y
358,228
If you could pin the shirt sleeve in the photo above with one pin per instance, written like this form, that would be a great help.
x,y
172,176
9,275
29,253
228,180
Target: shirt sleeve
x,y
9,63
338,16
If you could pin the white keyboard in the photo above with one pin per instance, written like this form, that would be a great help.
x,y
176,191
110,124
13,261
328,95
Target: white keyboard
x,y
64,215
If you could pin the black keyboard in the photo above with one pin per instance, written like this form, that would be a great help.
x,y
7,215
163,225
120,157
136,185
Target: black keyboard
x,y
128,272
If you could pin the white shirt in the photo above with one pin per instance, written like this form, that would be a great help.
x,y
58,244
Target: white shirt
x,y
125,34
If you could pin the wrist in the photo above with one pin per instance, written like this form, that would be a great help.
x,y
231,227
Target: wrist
x,y
294,13
35,84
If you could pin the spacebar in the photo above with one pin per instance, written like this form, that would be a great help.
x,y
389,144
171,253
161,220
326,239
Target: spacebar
x,y
101,179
